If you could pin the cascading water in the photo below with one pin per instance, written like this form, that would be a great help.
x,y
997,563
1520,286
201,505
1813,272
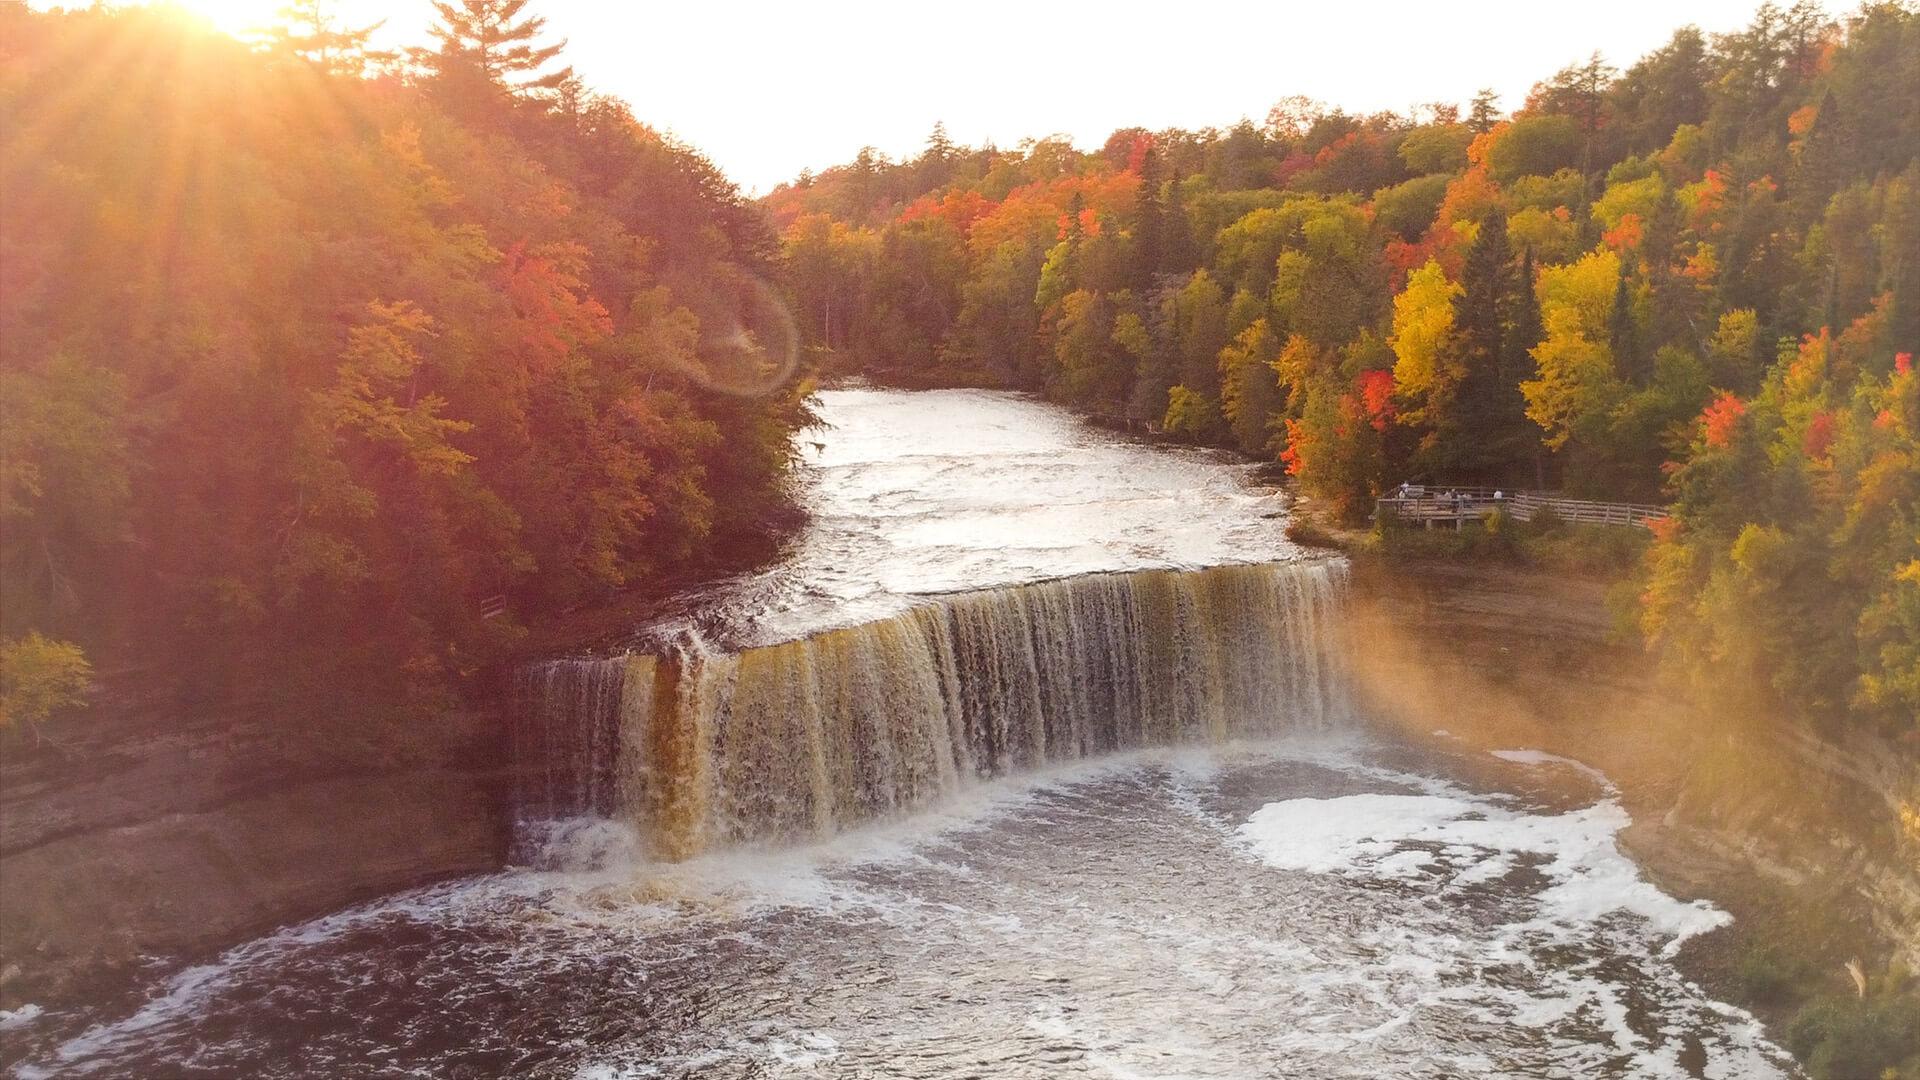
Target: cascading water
x,y
984,778
698,748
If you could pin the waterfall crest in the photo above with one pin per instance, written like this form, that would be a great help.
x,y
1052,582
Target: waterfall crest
x,y
700,749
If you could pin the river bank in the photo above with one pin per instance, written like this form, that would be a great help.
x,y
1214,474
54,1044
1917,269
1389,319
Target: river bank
x,y
162,825
1797,836
143,835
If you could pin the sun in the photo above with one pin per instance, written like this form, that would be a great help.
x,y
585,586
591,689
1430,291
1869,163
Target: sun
x,y
237,17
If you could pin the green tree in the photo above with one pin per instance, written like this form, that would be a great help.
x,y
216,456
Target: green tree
x,y
1487,435
1248,389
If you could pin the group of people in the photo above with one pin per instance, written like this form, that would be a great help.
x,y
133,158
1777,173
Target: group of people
x,y
1409,491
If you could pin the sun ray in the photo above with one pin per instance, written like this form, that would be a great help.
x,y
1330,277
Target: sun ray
x,y
236,17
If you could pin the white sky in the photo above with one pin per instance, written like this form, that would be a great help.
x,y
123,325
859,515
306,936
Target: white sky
x,y
769,88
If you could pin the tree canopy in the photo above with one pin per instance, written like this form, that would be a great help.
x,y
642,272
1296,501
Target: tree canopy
x,y
1570,295
330,369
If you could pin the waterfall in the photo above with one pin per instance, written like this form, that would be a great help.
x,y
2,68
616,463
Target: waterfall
x,y
698,749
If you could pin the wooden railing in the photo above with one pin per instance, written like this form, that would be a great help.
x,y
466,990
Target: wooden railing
x,y
1461,504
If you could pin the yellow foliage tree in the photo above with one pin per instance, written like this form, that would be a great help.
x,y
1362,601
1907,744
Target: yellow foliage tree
x,y
40,676
1422,322
1576,380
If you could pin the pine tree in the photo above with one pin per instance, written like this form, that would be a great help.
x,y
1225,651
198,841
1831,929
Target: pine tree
x,y
1525,331
1823,154
936,162
487,48
1149,225
1484,112
1623,334
1485,429
1177,255
307,31
939,146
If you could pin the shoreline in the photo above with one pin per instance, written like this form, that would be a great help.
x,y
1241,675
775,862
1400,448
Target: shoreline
x,y
1768,824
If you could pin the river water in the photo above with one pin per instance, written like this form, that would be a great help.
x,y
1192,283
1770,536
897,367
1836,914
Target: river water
x,y
1033,759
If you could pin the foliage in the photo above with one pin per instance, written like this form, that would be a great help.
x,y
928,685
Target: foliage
x,y
1795,557
1588,294
39,677
323,361
1543,543
1841,1036
1422,323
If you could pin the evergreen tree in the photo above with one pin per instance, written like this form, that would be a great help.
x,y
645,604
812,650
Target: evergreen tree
x,y
936,161
1177,255
1623,334
307,31
1524,333
1484,435
1823,155
487,49
1484,112
1149,245
1666,89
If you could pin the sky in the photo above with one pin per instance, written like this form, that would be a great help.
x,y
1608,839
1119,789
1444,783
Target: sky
x,y
769,89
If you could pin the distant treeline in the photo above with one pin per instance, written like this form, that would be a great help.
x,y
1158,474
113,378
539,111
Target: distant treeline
x,y
324,366
1697,280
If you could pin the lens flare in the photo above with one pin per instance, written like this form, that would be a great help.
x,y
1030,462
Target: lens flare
x,y
749,346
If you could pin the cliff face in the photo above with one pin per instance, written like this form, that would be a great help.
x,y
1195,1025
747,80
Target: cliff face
x,y
1796,834
141,839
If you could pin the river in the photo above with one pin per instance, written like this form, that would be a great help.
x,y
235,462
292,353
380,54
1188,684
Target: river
x,y
1033,758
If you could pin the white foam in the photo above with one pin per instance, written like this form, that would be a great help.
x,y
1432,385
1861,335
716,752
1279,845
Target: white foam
x,y
20,1017
1391,836
1541,757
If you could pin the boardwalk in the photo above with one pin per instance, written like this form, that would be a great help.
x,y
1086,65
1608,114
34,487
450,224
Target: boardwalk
x,y
1457,505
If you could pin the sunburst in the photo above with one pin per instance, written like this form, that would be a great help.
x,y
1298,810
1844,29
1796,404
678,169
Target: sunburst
x,y
237,17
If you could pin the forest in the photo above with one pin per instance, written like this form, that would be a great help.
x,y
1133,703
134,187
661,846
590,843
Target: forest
x,y
327,369
1694,281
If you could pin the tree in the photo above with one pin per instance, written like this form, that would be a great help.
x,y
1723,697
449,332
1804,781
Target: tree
x,y
1196,316
1248,390
1487,428
487,47
39,677
1576,384
307,31
1578,91
1623,335
384,373
1484,112
1436,148
1149,229
1534,145
937,160
1424,371
1665,90
1334,450
1086,375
